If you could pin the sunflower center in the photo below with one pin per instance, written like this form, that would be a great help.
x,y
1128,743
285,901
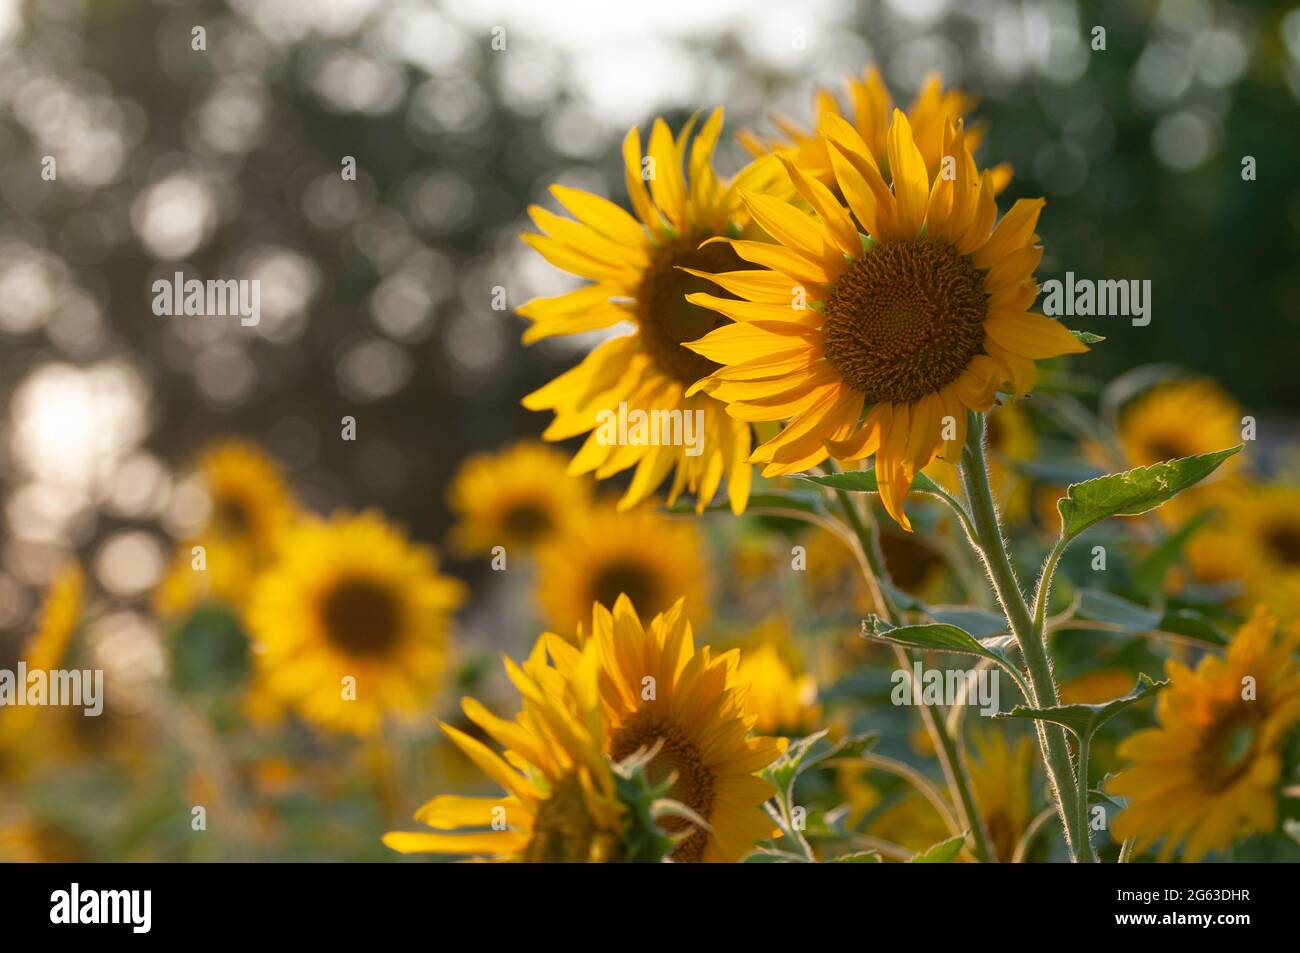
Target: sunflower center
x,y
563,830
630,578
231,515
1161,449
526,522
664,316
1283,542
694,784
1225,751
361,617
905,320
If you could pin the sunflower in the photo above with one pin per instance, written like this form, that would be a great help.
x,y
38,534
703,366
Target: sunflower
x,y
1000,774
249,508
919,322
654,559
516,498
777,698
1209,774
658,691
351,622
872,105
560,802
639,269
1180,419
1255,539
60,615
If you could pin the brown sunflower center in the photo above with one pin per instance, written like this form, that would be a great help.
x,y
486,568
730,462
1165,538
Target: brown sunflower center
x,y
666,319
905,319
1283,543
1160,449
527,521
633,579
694,784
1227,748
563,830
232,516
361,617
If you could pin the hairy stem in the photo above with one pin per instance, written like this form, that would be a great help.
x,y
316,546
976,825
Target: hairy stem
x,y
1033,646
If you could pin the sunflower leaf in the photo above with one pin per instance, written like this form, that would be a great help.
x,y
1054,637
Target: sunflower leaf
x,y
772,500
858,857
1133,491
864,481
942,852
934,636
1193,625
1104,607
1087,337
1084,720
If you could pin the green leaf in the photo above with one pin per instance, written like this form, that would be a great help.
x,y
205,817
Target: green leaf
x,y
940,853
864,481
1133,491
859,857
1150,573
1084,720
978,622
771,500
1105,607
1087,337
1194,625
935,636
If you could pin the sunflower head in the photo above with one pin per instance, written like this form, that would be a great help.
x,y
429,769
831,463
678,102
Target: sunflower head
x,y
517,498
685,708
1209,772
1180,419
903,299
642,268
653,559
249,501
1253,540
351,622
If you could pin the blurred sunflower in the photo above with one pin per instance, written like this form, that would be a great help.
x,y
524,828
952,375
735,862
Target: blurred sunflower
x,y
351,622
1181,419
777,699
640,269
1254,538
1209,774
516,498
250,507
656,688
922,321
60,615
872,104
560,802
654,559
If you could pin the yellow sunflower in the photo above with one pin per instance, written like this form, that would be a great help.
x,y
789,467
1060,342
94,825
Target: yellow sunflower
x,y
560,802
1180,419
1255,539
516,498
250,507
640,269
871,106
919,322
654,559
60,615
777,698
351,622
1209,774
657,689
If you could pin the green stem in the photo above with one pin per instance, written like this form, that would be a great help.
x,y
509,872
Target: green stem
x,y
1085,831
950,757
1033,647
